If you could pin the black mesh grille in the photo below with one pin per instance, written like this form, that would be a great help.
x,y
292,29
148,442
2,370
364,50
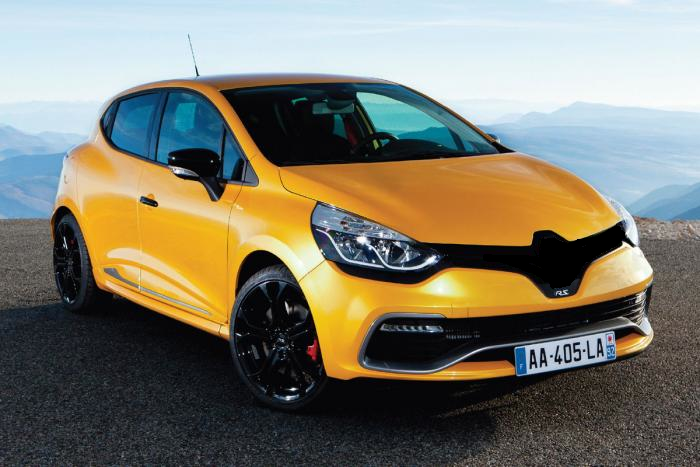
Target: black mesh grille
x,y
387,347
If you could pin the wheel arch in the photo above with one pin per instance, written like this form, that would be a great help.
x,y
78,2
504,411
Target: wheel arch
x,y
65,207
263,251
58,214
254,262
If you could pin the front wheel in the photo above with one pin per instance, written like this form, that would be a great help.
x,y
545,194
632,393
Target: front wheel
x,y
274,343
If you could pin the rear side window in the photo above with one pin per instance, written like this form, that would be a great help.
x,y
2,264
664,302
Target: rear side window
x,y
132,122
189,121
108,118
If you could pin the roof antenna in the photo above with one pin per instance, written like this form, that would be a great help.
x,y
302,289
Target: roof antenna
x,y
196,71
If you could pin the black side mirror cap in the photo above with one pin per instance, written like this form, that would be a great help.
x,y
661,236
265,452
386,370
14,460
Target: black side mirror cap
x,y
203,162
198,164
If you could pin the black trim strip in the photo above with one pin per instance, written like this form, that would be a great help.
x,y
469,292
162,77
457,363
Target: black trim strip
x,y
115,274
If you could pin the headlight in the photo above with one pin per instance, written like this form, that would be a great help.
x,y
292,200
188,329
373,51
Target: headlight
x,y
349,239
627,221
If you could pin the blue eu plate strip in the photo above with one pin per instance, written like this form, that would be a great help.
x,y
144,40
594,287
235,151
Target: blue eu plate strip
x,y
520,361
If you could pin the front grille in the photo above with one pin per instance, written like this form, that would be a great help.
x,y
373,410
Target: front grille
x,y
551,262
423,348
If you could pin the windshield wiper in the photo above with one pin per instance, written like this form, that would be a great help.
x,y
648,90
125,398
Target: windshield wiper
x,y
407,155
319,162
420,156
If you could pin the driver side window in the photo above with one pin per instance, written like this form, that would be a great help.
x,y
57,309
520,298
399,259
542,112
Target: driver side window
x,y
189,121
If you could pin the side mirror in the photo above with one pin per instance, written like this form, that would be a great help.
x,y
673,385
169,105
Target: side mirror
x,y
495,137
198,164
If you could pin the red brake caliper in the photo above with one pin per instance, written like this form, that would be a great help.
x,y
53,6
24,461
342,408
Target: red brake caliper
x,y
312,351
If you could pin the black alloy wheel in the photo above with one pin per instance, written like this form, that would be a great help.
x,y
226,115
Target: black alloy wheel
x,y
67,264
274,342
72,268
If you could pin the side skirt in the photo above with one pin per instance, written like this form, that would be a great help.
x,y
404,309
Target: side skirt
x,y
137,294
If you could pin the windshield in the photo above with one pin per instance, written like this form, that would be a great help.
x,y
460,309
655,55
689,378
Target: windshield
x,y
351,122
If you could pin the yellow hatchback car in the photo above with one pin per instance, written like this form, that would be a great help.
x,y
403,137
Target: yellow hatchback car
x,y
332,227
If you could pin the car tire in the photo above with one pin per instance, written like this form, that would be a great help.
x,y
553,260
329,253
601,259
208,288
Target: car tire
x,y
274,344
73,269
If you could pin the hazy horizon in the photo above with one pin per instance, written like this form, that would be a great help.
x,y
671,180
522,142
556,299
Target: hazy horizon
x,y
37,116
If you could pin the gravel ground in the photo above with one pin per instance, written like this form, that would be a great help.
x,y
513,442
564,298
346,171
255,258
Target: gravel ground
x,y
128,386
668,230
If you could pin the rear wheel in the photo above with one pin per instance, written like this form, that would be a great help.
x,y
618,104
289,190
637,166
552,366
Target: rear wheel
x,y
73,270
274,343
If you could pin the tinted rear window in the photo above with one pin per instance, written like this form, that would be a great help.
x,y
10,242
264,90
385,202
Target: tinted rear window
x,y
132,123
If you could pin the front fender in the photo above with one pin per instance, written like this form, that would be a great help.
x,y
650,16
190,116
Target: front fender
x,y
286,234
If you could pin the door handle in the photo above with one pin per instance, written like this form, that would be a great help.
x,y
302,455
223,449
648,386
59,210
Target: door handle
x,y
148,201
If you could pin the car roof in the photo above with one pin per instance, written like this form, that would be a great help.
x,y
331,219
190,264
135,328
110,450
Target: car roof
x,y
235,81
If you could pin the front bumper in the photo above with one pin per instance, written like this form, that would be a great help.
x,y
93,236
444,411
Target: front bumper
x,y
347,309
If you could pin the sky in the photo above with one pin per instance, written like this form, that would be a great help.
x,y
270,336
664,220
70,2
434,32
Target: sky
x,y
620,52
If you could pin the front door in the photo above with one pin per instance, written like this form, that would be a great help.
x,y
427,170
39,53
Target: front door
x,y
183,232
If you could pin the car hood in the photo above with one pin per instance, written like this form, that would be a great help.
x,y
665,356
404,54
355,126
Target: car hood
x,y
483,200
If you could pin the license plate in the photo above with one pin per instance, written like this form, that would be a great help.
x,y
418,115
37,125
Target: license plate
x,y
564,353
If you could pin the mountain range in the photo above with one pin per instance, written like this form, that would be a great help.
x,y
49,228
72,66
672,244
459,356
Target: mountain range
x,y
494,111
15,143
623,151
28,185
648,159
669,203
